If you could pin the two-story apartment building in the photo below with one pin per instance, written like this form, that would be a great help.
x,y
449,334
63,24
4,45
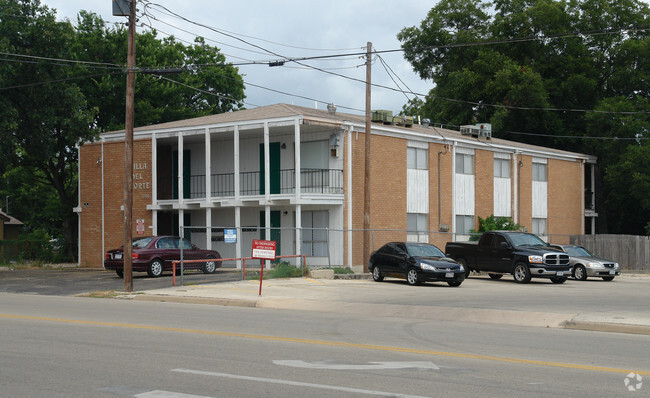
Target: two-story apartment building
x,y
296,175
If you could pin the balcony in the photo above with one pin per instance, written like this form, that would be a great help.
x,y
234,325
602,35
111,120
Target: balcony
x,y
312,181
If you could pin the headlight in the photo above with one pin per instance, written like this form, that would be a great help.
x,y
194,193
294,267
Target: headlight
x,y
428,267
594,265
461,268
615,265
535,259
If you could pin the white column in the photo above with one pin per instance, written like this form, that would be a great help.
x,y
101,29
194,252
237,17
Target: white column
x,y
299,230
296,138
453,190
180,169
515,187
236,165
154,183
208,166
267,219
240,233
349,195
208,229
267,164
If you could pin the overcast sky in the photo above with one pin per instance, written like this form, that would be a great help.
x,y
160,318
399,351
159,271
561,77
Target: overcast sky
x,y
293,28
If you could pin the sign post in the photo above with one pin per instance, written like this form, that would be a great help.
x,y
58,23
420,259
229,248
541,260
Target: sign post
x,y
263,250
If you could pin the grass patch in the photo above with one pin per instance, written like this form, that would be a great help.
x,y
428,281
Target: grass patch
x,y
342,270
282,270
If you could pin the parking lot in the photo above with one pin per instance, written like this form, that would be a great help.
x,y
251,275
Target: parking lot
x,y
74,281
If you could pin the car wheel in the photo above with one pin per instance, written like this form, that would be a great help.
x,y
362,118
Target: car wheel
x,y
120,273
376,274
155,268
580,273
454,283
412,277
495,276
209,267
558,279
522,273
608,278
463,262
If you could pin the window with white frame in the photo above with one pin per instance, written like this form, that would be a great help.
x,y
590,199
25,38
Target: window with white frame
x,y
539,226
464,224
501,168
417,158
417,223
464,163
314,233
539,172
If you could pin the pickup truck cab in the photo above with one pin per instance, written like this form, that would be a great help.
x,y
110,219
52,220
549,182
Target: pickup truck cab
x,y
520,254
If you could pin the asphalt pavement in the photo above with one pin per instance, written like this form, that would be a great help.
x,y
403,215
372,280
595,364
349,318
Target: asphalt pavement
x,y
617,306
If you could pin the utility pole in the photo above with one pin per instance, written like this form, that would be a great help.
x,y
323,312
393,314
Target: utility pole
x,y
128,154
366,191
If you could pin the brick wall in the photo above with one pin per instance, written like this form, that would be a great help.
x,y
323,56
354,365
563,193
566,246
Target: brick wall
x,y
90,181
483,185
565,203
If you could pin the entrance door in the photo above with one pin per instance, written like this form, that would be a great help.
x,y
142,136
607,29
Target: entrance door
x,y
274,172
275,228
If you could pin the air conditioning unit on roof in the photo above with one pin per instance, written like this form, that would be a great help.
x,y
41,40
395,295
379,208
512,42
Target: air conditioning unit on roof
x,y
482,130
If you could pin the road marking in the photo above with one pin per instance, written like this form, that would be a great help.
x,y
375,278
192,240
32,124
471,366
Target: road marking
x,y
331,344
297,383
367,366
167,394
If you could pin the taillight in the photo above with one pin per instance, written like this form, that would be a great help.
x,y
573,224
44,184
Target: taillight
x,y
107,256
135,255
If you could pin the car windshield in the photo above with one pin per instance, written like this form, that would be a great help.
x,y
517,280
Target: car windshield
x,y
577,251
422,250
140,243
522,239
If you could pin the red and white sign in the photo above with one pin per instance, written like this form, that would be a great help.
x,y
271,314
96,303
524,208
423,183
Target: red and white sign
x,y
264,249
139,226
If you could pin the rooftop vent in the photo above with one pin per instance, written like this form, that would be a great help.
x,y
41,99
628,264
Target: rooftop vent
x,y
331,108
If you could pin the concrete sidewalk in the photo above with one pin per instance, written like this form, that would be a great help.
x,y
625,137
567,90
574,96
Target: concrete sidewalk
x,y
548,306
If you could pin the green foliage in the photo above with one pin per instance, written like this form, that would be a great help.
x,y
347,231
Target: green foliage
x,y
48,108
342,270
493,223
282,270
527,68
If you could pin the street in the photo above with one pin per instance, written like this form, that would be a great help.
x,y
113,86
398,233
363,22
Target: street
x,y
59,346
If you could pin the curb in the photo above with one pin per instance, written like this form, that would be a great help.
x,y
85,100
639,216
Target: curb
x,y
606,327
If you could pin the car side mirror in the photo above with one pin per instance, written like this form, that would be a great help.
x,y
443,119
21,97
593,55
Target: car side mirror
x,y
505,245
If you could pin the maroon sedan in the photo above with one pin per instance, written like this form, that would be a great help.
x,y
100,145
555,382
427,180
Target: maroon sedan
x,y
154,254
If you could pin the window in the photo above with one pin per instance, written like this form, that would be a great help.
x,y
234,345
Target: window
x,y
464,224
416,158
501,168
464,163
417,223
539,226
539,172
314,233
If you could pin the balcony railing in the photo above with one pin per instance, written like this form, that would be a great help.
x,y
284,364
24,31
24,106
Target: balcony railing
x,y
313,181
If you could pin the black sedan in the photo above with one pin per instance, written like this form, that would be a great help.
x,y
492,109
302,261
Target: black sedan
x,y
154,254
415,262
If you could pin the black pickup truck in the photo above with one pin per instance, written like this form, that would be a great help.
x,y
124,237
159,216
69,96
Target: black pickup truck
x,y
521,254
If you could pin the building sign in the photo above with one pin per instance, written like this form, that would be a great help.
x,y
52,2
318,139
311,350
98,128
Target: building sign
x,y
138,176
230,235
264,249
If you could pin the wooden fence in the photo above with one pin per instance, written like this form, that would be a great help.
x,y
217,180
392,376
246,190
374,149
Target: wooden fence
x,y
630,251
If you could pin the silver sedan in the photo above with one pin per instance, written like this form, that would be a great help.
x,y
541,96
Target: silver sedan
x,y
585,264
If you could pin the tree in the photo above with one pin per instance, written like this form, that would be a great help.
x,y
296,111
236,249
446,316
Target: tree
x,y
49,105
575,57
493,223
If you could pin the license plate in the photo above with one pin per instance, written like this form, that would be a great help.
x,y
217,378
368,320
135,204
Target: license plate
x,y
449,275
612,272
559,273
118,256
